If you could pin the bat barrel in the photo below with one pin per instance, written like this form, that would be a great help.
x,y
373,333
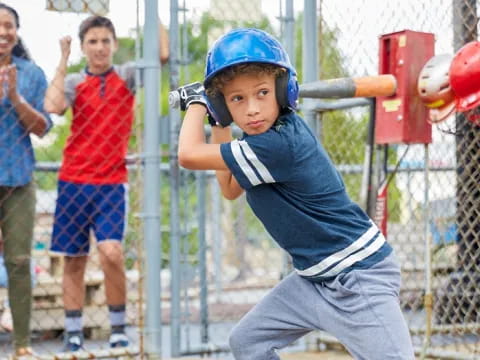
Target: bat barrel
x,y
368,86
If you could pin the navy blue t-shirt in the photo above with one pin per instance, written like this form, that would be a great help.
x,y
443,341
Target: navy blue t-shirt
x,y
298,195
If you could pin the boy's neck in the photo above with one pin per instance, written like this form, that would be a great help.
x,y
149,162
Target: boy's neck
x,y
98,70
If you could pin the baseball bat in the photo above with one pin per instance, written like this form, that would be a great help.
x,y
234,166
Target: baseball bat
x,y
174,99
367,86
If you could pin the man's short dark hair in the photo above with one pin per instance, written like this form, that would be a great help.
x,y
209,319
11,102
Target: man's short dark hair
x,y
95,21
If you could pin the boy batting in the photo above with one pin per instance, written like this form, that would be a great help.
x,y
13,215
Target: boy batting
x,y
346,279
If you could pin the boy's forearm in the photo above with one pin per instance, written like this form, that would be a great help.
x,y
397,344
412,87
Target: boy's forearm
x,y
229,186
55,101
192,132
192,135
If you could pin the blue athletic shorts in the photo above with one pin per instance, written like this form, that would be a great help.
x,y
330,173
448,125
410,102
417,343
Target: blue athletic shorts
x,y
81,207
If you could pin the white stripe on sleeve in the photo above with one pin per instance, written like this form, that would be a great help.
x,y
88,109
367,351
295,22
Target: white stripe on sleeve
x,y
246,168
262,170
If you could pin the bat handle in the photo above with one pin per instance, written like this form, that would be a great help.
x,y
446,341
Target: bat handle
x,y
174,99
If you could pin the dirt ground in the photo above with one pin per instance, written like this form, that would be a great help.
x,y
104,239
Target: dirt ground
x,y
324,355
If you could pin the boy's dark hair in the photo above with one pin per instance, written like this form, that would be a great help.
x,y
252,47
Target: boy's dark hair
x,y
218,81
95,21
19,49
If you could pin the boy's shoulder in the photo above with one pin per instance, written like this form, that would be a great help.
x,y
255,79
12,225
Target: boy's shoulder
x,y
125,67
291,117
291,124
286,135
284,121
75,78
127,72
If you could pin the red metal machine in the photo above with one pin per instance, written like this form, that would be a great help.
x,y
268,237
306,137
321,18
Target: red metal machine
x,y
402,117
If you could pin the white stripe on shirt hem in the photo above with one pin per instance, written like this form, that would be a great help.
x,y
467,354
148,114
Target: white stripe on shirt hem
x,y
246,168
342,254
369,250
257,164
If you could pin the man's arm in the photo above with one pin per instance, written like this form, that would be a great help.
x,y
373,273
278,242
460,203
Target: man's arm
x,y
163,46
55,100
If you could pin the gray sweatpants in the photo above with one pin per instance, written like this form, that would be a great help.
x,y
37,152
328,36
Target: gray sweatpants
x,y
360,308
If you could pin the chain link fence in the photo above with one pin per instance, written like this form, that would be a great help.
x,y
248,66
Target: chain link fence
x,y
89,149
431,213
217,260
431,209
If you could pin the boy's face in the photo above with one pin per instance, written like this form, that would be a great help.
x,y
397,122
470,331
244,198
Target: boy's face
x,y
251,100
99,46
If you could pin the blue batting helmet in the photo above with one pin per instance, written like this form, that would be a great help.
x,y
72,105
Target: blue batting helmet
x,y
241,46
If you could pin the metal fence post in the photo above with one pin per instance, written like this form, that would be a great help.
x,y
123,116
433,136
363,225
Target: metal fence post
x,y
201,179
152,182
175,238
288,34
310,59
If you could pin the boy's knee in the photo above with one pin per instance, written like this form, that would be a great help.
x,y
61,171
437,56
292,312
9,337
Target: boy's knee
x,y
74,264
238,342
235,342
111,261
244,345
111,254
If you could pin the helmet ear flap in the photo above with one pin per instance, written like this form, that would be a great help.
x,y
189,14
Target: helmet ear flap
x,y
218,109
281,90
286,91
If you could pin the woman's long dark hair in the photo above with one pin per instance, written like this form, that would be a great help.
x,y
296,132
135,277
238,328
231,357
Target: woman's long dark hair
x,y
19,49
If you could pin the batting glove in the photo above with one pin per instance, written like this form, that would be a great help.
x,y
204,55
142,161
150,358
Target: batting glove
x,y
193,93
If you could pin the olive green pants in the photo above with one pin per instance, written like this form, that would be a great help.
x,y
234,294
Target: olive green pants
x,y
17,216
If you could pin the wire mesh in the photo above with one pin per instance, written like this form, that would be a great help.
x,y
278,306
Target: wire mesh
x,y
348,46
88,149
227,261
